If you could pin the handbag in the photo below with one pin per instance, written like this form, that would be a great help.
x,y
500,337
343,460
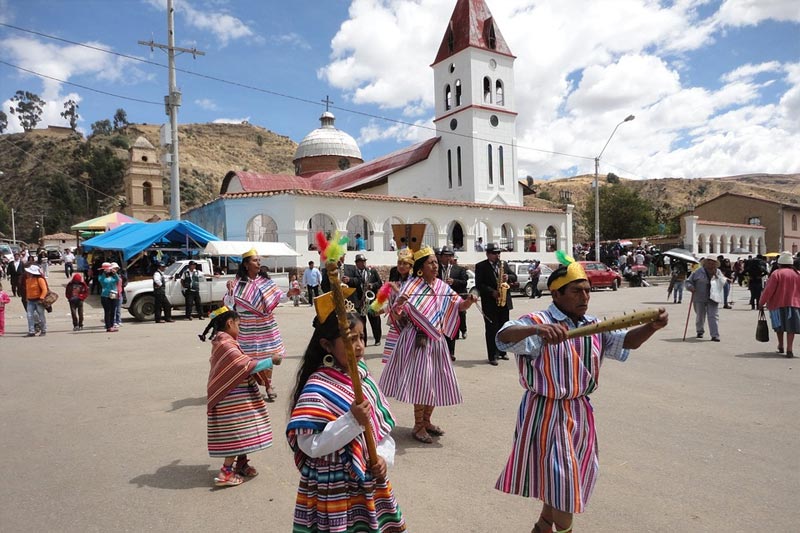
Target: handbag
x,y
49,298
762,328
113,295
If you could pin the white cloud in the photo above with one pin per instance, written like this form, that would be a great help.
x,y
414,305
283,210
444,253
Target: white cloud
x,y
6,15
231,120
403,133
291,39
207,104
581,67
223,26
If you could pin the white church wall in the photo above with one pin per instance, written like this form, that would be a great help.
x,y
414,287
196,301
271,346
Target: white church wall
x,y
422,180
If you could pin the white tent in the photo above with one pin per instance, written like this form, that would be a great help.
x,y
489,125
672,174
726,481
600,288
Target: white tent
x,y
265,249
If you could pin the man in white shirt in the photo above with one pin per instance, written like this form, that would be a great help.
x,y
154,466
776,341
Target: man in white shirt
x,y
160,294
69,260
312,279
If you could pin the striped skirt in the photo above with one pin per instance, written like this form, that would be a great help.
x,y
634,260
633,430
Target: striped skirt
x,y
329,500
554,457
420,375
389,343
239,424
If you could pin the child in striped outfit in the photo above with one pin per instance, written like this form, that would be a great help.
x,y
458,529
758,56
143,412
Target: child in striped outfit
x,y
338,492
238,421
4,299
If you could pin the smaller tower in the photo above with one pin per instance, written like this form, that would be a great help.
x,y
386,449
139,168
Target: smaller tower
x,y
143,183
326,148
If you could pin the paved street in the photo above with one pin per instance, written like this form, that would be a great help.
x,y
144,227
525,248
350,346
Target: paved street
x,y
107,432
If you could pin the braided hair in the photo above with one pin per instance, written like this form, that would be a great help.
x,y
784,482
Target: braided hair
x,y
217,324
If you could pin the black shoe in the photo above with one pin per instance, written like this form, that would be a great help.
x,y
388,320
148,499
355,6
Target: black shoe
x,y
464,335
201,318
158,322
189,318
31,335
715,339
699,335
169,320
493,362
452,357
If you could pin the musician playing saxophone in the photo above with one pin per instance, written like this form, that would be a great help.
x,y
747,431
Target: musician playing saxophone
x,y
554,454
487,275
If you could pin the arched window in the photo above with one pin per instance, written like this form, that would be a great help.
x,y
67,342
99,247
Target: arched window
x,y
551,239
794,222
507,237
450,169
491,173
502,166
455,235
458,93
262,228
147,193
359,226
430,236
487,90
320,222
498,91
448,97
458,164
388,233
530,238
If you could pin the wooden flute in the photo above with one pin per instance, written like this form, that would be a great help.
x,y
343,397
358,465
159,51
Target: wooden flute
x,y
637,318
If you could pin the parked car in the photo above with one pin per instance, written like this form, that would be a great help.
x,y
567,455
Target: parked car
x,y
6,253
523,284
600,275
53,255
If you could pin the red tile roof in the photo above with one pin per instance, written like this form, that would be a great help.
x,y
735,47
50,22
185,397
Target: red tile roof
x,y
384,198
470,24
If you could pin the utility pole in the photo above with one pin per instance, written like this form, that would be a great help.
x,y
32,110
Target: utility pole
x,y
172,102
13,227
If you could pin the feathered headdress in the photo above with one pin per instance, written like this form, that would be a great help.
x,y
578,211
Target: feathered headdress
x,y
574,271
331,250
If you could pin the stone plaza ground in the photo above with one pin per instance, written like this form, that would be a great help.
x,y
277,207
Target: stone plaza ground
x,y
107,431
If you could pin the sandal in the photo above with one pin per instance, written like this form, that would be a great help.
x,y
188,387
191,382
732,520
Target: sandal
x,y
436,431
227,478
244,469
271,394
422,437
780,349
538,529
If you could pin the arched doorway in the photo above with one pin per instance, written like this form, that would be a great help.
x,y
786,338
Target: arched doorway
x,y
507,237
551,239
388,234
359,225
455,235
530,238
262,228
320,222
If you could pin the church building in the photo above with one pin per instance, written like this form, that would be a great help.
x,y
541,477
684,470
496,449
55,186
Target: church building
x,y
462,183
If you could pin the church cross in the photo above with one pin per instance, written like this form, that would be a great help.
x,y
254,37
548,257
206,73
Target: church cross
x,y
328,102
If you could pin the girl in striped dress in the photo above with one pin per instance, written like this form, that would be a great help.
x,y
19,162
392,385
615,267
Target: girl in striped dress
x,y
238,421
338,492
256,296
419,370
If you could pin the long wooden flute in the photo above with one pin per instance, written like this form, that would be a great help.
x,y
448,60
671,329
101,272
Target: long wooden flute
x,y
637,318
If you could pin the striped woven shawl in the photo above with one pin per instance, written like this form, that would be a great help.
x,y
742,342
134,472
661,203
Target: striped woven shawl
x,y
229,367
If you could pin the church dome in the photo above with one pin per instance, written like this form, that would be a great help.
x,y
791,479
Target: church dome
x,y
327,141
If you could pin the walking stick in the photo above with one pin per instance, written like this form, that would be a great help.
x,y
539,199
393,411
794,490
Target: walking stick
x,y
687,316
344,332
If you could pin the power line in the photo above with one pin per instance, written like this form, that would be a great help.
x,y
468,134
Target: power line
x,y
283,95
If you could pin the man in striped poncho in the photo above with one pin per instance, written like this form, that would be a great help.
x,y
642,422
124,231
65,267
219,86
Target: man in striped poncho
x,y
554,456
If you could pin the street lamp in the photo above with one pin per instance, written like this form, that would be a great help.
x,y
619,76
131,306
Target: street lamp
x,y
597,190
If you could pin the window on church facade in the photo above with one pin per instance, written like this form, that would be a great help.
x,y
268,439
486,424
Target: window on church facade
x,y
487,90
147,193
448,97
551,239
262,228
492,36
458,164
491,170
450,169
458,93
754,221
499,98
502,166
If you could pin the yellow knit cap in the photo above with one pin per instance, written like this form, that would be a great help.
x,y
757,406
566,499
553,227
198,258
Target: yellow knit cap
x,y
250,253
406,256
575,272
425,251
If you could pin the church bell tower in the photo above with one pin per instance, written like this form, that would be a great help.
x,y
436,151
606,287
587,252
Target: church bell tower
x,y
474,103
143,184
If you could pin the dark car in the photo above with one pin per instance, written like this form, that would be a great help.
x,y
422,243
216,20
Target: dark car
x,y
600,275
53,254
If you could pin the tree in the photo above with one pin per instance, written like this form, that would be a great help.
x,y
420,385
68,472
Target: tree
x,y
612,178
101,127
3,121
71,113
623,213
120,119
5,218
28,109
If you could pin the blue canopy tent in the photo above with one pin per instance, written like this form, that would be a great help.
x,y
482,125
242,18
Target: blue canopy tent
x,y
131,239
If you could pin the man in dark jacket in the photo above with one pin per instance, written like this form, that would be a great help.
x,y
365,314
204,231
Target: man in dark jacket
x,y
13,271
348,275
486,274
191,290
368,280
456,277
755,269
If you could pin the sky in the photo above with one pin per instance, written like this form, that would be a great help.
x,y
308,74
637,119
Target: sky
x,y
714,85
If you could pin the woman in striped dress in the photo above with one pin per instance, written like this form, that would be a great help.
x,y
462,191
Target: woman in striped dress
x,y
338,492
398,276
419,370
554,456
238,421
256,297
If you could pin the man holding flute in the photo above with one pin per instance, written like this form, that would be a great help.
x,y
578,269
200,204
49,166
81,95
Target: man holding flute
x,y
554,456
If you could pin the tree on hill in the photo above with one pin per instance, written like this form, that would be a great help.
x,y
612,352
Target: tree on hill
x,y
101,127
120,119
623,213
71,113
5,218
28,108
3,121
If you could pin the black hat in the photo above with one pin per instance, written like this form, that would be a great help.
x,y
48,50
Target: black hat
x,y
437,251
361,257
192,263
447,250
494,247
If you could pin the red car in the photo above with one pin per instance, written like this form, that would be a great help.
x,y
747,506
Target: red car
x,y
600,275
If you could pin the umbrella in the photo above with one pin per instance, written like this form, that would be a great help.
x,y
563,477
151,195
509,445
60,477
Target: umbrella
x,y
772,254
683,255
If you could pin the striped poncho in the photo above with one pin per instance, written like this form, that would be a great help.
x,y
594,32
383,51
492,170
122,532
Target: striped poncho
x,y
422,373
255,301
337,492
554,455
238,421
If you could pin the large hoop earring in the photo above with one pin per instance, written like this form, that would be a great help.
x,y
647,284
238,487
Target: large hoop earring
x,y
328,361
419,273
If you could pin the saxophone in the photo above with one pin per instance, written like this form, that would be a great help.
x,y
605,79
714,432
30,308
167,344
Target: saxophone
x,y
502,286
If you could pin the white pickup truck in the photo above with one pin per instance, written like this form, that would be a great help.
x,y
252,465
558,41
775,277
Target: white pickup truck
x,y
140,300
